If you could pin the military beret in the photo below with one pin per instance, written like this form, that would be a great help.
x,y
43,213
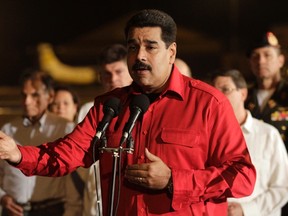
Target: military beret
x,y
265,40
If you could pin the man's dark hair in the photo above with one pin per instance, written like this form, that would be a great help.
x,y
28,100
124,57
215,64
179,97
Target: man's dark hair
x,y
112,53
236,76
37,74
154,18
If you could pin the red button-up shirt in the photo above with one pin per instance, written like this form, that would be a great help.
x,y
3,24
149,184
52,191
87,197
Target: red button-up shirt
x,y
190,126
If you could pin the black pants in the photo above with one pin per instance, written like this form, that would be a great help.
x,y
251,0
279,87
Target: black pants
x,y
285,210
53,210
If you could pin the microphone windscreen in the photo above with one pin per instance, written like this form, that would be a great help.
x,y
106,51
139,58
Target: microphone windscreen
x,y
112,103
141,101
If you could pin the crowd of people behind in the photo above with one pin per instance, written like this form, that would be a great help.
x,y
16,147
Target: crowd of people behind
x,y
50,111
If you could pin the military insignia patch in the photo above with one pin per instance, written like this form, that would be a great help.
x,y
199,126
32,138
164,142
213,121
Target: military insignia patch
x,y
279,116
272,40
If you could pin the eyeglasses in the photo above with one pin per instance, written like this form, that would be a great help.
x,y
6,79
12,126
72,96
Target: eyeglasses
x,y
227,90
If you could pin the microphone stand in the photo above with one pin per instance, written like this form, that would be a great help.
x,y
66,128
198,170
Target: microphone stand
x,y
116,153
103,143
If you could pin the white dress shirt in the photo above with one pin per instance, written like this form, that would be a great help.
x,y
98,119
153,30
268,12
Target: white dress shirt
x,y
269,156
84,110
36,188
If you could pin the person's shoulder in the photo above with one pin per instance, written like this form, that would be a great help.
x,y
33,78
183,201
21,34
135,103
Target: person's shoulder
x,y
16,121
59,123
51,117
263,126
87,105
206,89
84,109
270,137
281,95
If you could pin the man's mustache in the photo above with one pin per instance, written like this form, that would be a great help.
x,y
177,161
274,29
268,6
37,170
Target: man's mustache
x,y
141,66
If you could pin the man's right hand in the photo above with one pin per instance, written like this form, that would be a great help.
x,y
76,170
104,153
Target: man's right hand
x,y
235,209
8,149
11,207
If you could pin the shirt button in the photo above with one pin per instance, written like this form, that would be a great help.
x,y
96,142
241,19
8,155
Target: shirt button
x,y
150,109
145,132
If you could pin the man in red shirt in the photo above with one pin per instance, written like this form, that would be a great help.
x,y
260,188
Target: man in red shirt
x,y
189,152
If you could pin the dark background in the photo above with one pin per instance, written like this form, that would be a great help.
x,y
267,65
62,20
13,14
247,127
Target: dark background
x,y
211,34
214,32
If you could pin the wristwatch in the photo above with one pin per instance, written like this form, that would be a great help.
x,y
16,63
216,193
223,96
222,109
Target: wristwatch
x,y
170,186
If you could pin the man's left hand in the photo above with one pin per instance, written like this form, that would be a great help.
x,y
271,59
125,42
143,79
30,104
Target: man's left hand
x,y
154,175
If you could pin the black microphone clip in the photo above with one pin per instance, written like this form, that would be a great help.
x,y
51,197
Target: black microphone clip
x,y
139,104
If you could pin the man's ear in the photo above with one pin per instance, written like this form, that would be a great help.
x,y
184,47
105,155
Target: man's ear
x,y
173,51
51,96
281,60
244,93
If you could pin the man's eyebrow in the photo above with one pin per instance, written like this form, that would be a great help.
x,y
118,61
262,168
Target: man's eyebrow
x,y
146,41
150,41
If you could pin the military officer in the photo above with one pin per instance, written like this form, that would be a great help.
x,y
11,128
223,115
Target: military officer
x,y
268,97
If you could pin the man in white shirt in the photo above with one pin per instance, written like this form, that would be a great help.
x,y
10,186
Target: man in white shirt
x,y
267,152
33,196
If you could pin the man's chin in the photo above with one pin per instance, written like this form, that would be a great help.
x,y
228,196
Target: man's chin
x,y
263,74
29,114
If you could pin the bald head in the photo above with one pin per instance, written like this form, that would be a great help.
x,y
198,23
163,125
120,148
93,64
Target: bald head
x,y
183,67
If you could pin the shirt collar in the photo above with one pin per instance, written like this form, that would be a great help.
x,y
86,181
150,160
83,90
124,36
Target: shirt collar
x,y
40,123
176,83
248,124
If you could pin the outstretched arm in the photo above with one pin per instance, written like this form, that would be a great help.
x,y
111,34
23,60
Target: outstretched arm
x,y
8,149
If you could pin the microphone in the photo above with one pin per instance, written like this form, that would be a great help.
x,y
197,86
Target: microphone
x,y
139,104
110,109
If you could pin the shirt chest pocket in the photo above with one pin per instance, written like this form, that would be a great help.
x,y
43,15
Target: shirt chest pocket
x,y
181,137
181,148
